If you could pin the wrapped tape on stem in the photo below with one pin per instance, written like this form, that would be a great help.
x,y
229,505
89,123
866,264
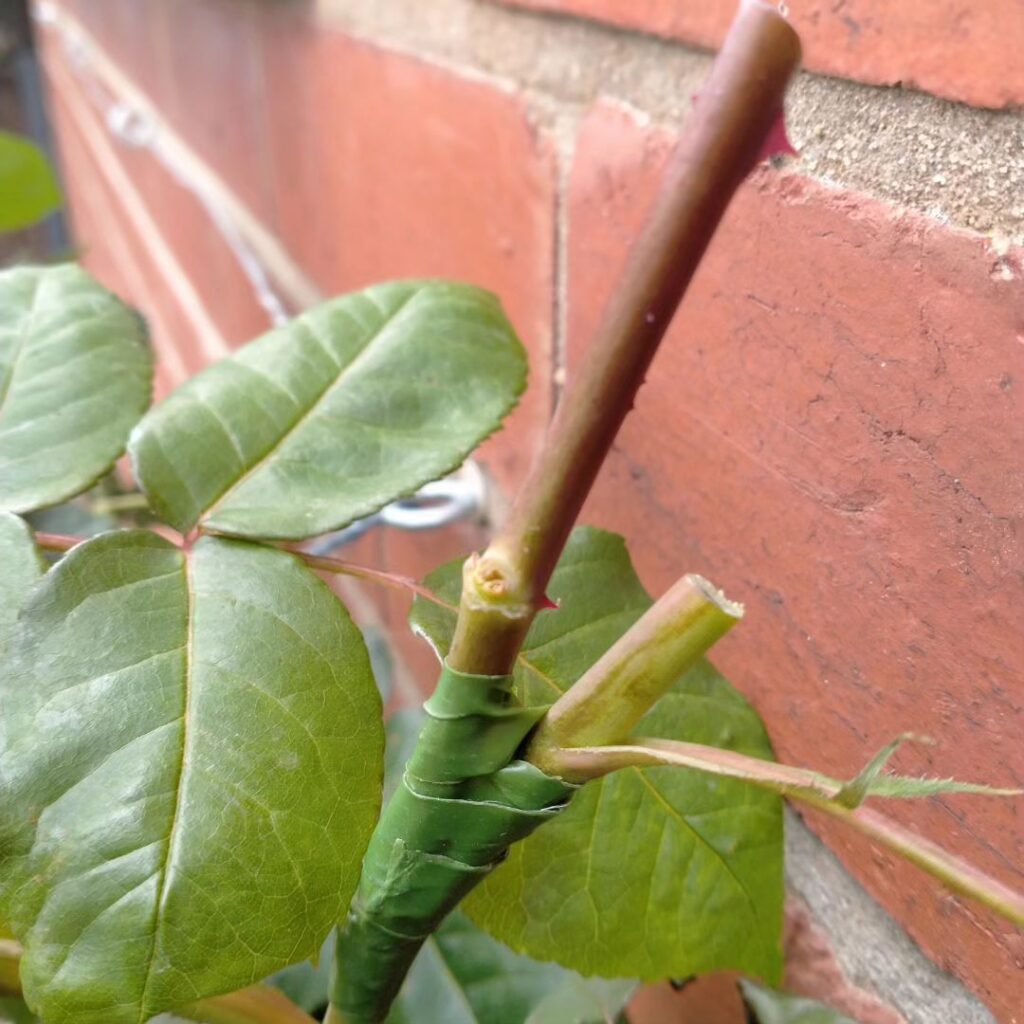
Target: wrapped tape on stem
x,y
464,799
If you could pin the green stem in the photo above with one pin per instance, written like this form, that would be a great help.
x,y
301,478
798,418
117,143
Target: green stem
x,y
605,704
957,874
810,787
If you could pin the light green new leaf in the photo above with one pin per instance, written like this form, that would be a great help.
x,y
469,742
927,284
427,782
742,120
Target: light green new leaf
x,y
191,763
323,421
767,1007
650,873
463,977
874,780
28,188
21,565
75,376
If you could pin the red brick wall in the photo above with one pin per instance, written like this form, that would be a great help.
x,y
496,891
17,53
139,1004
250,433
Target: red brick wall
x,y
966,51
834,432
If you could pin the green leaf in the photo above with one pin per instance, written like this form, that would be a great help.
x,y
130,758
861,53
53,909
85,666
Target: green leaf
x,y
463,977
308,983
461,974
21,565
650,873
767,1007
28,188
323,421
191,766
75,374
911,788
584,1000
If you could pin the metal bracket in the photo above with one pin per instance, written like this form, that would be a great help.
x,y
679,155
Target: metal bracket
x,y
460,496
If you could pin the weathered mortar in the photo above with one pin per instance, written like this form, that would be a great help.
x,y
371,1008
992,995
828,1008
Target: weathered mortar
x,y
952,162
872,949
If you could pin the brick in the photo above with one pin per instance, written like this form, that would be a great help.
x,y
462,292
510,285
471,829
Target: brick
x,y
711,999
832,432
386,167
110,241
201,250
962,51
104,239
131,31
180,217
215,90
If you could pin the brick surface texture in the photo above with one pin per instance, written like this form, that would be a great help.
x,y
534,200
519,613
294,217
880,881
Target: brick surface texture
x,y
961,51
833,431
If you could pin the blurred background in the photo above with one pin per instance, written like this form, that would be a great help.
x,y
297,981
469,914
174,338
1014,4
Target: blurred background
x,y
23,113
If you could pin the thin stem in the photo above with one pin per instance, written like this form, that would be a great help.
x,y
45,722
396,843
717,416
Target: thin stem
x,y
57,541
395,581
605,704
731,119
62,542
954,872
583,764
810,787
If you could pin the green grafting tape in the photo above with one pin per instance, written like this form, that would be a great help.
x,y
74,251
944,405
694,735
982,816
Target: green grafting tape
x,y
462,802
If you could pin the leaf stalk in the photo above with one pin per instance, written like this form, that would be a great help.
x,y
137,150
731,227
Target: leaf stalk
x,y
810,787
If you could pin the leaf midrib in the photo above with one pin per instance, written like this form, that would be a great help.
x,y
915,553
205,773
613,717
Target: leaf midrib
x,y
172,835
329,389
681,819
